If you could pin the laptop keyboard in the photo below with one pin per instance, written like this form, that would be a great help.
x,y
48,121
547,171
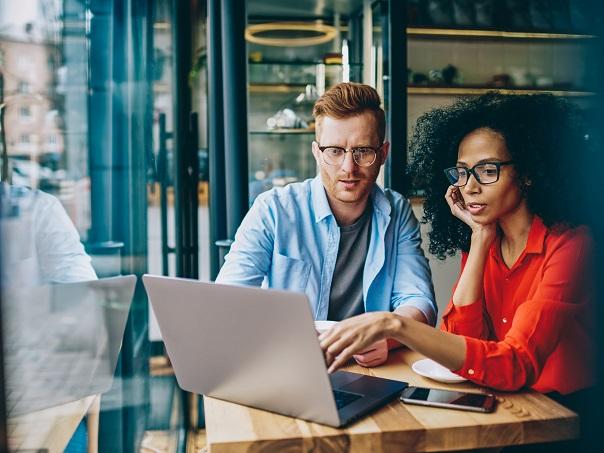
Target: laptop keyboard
x,y
344,398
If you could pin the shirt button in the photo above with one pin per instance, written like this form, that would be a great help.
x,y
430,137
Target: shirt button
x,y
470,371
505,320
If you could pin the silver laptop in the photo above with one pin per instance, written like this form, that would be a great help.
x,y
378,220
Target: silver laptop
x,y
259,348
63,340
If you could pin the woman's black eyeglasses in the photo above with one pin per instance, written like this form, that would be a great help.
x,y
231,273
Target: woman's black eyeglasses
x,y
485,173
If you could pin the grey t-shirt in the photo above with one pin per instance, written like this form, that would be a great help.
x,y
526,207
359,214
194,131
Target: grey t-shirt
x,y
346,296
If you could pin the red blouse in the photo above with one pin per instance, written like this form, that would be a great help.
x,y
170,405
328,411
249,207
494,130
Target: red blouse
x,y
534,325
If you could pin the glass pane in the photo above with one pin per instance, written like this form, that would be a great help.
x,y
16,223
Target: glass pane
x,y
199,96
284,83
277,159
288,73
161,179
161,210
281,132
75,98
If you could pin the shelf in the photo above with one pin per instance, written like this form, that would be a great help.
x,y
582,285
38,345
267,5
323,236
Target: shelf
x,y
308,131
495,34
475,91
278,87
298,63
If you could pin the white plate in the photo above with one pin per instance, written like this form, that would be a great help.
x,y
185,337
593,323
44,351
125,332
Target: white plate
x,y
430,369
323,326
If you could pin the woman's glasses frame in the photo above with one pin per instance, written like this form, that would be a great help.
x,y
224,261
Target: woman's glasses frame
x,y
473,171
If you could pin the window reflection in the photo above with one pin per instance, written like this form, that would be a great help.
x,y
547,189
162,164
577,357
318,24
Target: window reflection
x,y
63,341
40,243
75,129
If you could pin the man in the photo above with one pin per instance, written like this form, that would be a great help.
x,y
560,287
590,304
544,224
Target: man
x,y
349,245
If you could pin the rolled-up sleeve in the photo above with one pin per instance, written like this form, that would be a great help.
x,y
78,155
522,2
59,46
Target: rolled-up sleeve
x,y
518,359
413,282
249,258
466,320
469,320
61,255
538,326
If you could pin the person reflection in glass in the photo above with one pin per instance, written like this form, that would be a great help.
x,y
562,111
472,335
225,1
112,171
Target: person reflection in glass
x,y
40,243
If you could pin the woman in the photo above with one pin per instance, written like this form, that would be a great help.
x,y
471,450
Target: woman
x,y
520,315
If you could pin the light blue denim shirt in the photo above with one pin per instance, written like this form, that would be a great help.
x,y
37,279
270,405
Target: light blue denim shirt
x,y
291,237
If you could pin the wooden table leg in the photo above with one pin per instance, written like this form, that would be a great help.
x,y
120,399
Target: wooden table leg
x,y
92,423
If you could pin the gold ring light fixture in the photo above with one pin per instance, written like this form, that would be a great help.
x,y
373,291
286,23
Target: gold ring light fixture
x,y
323,33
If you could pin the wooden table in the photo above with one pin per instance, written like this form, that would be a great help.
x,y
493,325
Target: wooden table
x,y
520,418
51,429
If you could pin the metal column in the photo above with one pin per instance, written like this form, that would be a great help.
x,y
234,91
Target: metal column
x,y
396,93
234,66
100,123
218,229
185,146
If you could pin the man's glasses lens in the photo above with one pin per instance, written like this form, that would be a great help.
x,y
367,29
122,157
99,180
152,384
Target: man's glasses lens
x,y
363,156
333,155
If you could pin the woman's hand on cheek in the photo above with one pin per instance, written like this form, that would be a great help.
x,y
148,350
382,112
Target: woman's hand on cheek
x,y
458,207
484,232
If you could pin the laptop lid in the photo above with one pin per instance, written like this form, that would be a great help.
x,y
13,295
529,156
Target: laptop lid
x,y
63,340
256,347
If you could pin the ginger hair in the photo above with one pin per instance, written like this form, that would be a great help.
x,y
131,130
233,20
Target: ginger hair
x,y
350,99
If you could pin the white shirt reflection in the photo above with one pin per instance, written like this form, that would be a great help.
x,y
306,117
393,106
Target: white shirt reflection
x,y
39,243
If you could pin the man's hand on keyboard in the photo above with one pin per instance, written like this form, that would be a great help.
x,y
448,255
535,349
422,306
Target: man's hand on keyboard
x,y
375,355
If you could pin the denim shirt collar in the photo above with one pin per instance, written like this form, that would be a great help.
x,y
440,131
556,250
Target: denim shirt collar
x,y
321,207
320,204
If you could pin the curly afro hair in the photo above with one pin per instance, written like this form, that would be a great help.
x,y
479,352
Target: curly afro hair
x,y
546,138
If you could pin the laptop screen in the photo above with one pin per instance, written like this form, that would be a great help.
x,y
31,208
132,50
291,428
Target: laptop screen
x,y
63,341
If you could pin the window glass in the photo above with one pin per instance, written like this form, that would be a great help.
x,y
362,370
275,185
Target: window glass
x,y
76,111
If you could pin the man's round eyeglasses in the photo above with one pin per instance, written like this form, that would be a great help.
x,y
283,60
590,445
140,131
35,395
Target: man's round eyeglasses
x,y
485,173
363,156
